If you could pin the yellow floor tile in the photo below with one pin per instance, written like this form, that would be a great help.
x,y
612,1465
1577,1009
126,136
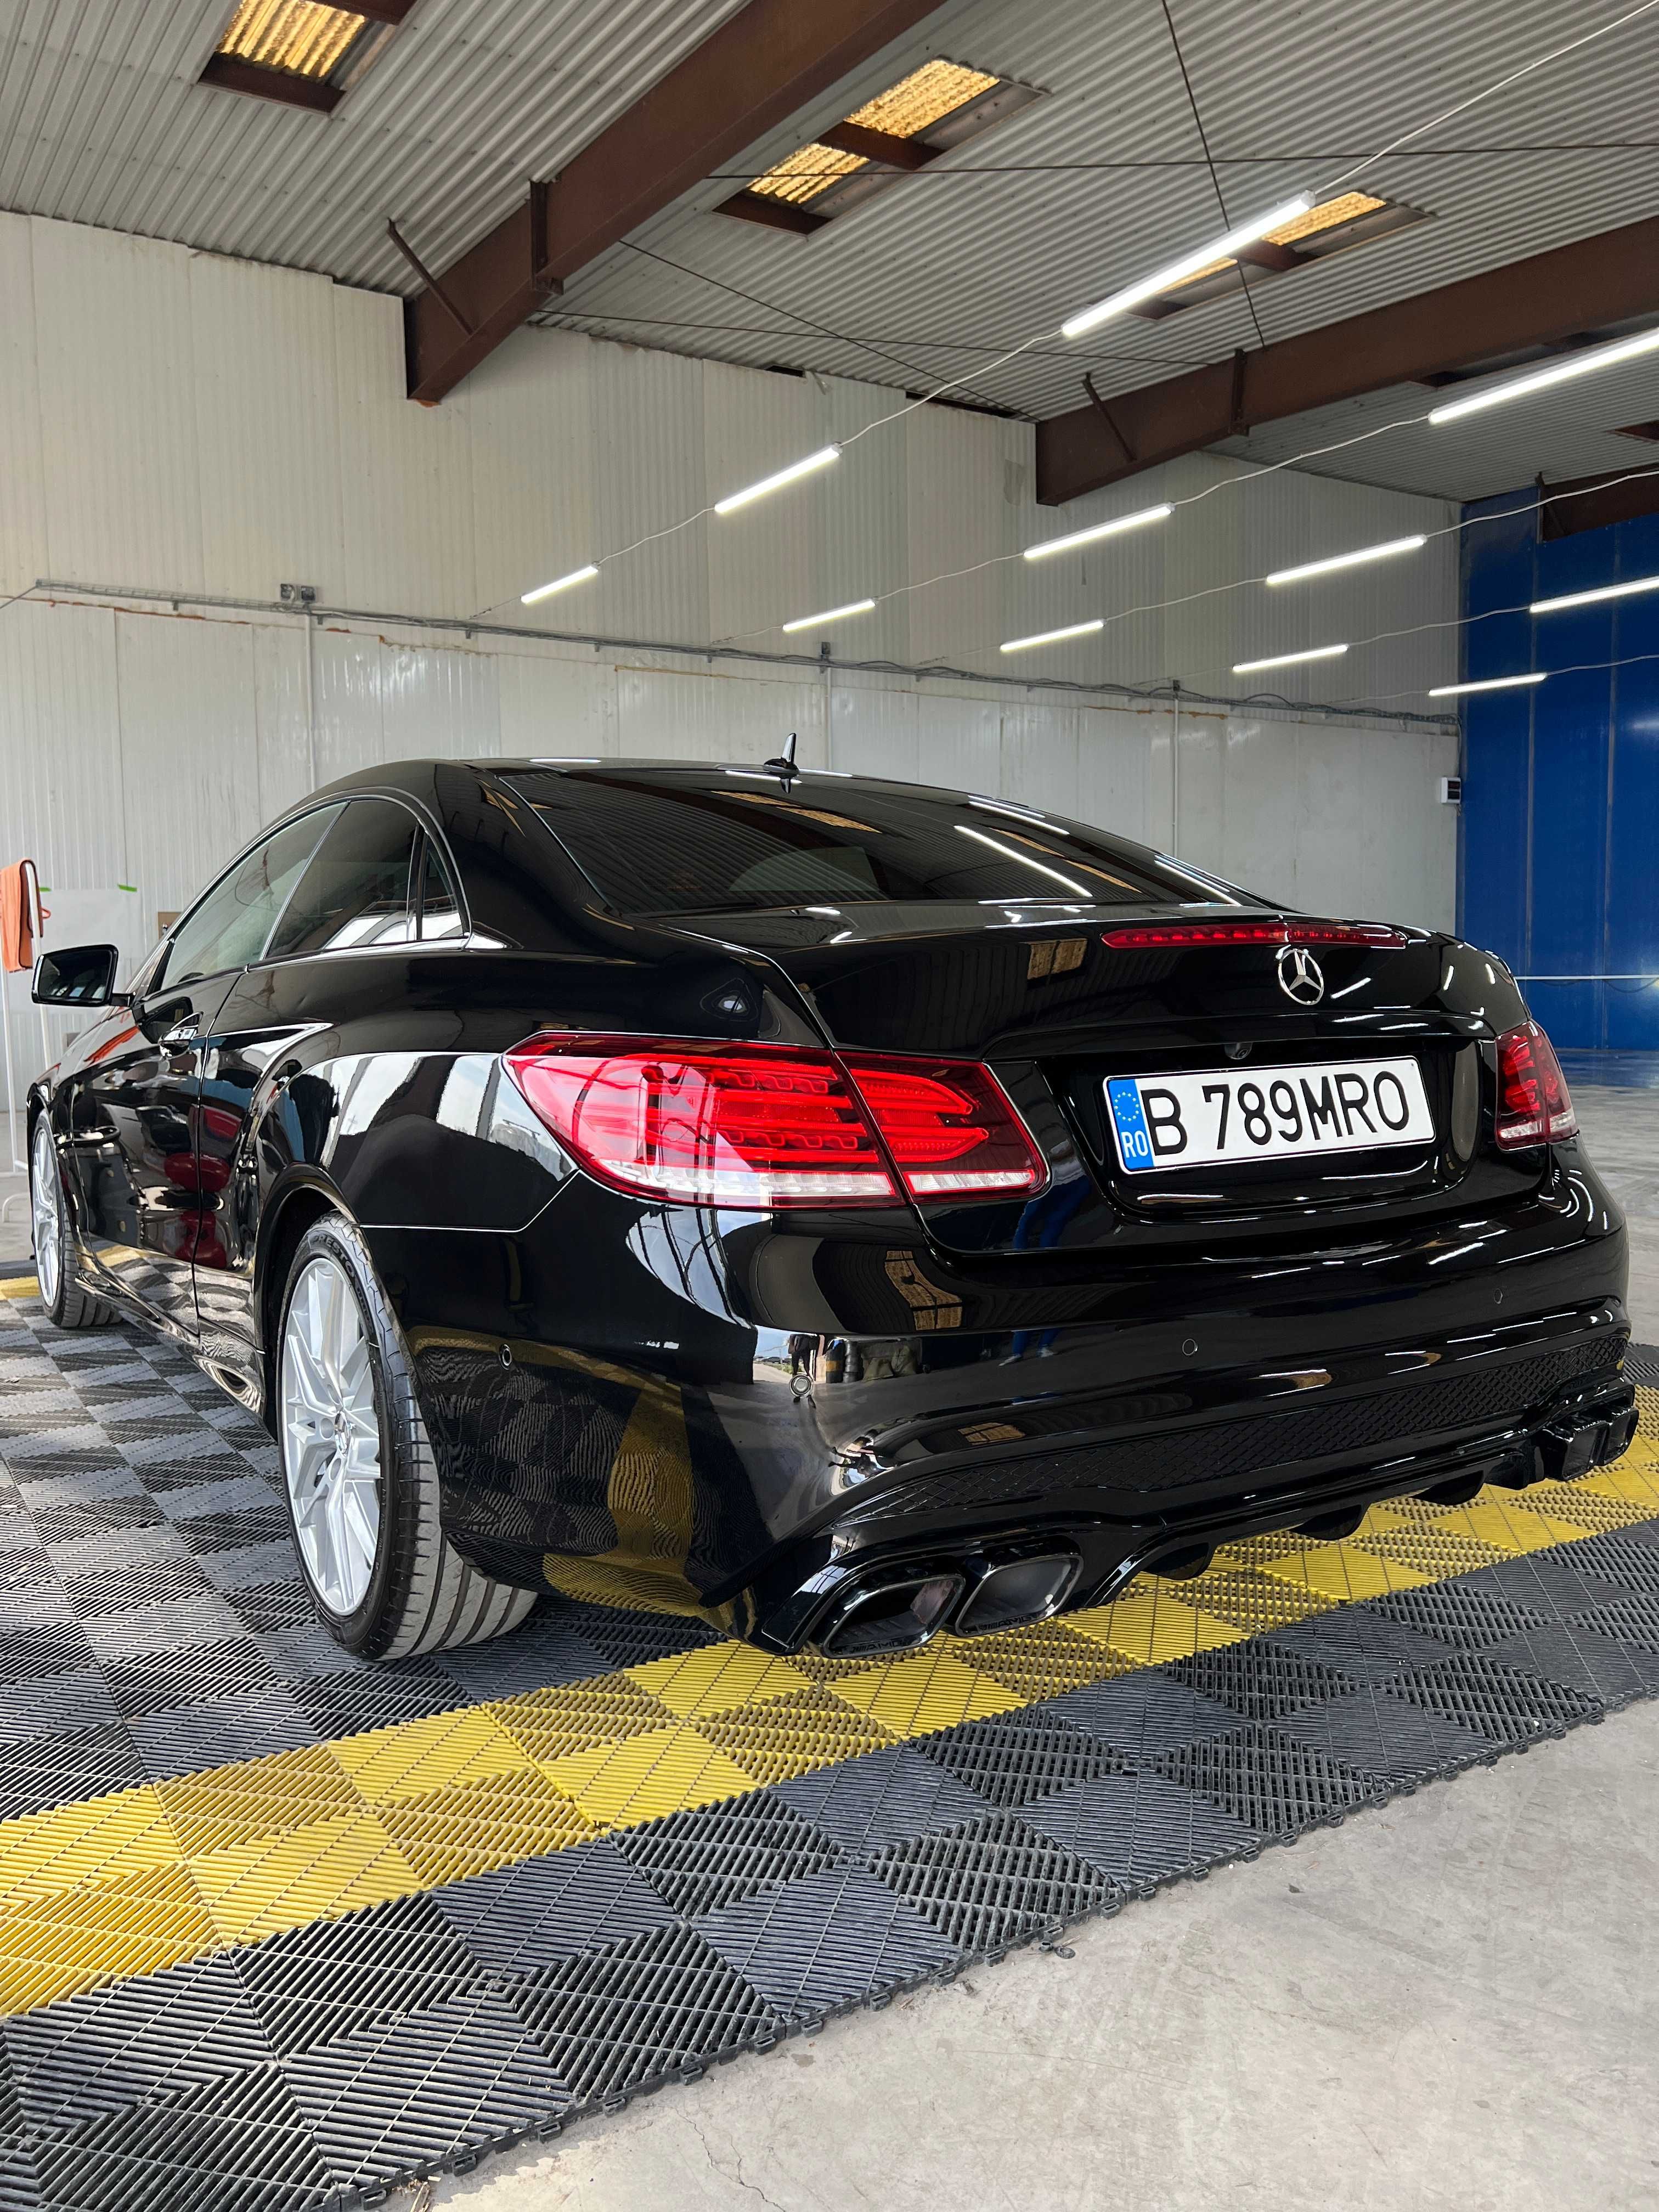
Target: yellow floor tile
x,y
52,1944
105,1839
620,1785
1435,1554
234,1804
929,1690
555,1722
1248,1599
1638,1483
719,1679
794,1734
1496,1516
1150,1626
19,1286
456,1832
1581,1508
309,1874
1345,1573
417,1757
1043,1661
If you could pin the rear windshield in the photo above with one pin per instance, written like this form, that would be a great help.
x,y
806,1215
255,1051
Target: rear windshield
x,y
743,846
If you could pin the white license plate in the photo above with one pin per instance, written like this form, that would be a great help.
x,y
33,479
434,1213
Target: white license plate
x,y
1224,1117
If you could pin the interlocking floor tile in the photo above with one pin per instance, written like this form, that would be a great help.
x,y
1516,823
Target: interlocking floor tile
x,y
522,1919
1462,1614
315,1985
1007,1762
1144,1713
835,1936
1586,1655
1262,1679
699,1861
1491,1700
883,1797
401,2094
994,1882
139,2039
1389,1738
1140,1828
609,2020
1266,1778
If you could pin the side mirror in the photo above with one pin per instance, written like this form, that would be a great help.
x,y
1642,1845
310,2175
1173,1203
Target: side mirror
x,y
79,976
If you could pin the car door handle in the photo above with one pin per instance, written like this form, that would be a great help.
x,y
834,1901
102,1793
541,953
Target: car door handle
x,y
184,1032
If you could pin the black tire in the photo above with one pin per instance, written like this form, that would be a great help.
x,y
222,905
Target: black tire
x,y
421,1596
68,1303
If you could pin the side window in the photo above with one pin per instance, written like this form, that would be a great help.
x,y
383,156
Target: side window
x,y
228,927
440,912
357,890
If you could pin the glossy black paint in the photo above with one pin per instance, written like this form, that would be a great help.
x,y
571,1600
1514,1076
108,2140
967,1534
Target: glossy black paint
x,y
731,1413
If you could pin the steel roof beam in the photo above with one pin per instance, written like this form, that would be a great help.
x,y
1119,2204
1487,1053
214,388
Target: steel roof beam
x,y
1547,300
748,76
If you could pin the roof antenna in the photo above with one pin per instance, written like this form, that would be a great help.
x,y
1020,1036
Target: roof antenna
x,y
782,765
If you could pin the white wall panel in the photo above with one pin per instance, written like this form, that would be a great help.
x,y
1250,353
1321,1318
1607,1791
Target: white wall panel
x,y
189,788
282,716
557,707
406,475
439,700
347,718
60,745
533,469
22,489
676,715
118,413
268,424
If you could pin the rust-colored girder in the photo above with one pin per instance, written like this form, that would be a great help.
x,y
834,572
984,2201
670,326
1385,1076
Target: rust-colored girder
x,y
1542,300
747,77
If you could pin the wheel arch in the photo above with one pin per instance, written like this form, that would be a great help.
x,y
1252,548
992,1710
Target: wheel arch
x,y
288,1215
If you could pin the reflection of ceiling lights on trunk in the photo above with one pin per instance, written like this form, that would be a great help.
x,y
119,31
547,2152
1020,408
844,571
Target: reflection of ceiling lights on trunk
x,y
300,52
936,108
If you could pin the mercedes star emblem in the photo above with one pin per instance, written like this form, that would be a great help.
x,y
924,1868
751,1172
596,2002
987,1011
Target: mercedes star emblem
x,y
1300,975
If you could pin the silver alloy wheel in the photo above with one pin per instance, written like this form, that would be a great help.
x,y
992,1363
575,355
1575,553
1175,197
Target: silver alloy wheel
x,y
332,1435
44,1205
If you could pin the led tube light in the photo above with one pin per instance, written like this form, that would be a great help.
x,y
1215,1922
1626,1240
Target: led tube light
x,y
1289,660
1219,249
1486,684
830,614
1097,530
1384,552
1559,372
1053,636
796,469
559,584
1590,599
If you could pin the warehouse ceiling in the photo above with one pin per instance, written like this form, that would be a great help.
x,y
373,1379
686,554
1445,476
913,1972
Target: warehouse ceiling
x,y
1147,127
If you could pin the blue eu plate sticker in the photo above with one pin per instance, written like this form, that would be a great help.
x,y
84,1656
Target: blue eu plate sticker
x,y
1134,1142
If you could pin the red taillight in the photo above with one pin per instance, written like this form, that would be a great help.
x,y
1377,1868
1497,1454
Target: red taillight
x,y
1535,1106
949,1126
755,1126
1155,936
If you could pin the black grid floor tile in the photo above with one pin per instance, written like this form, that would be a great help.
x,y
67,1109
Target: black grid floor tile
x,y
1269,1780
697,1861
1141,1829
526,1917
1007,1762
882,1797
836,1937
609,2020
996,1882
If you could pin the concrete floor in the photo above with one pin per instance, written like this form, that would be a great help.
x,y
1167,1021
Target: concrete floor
x,y
1451,2001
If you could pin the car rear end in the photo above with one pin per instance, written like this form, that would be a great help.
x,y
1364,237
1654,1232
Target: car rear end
x,y
1123,1223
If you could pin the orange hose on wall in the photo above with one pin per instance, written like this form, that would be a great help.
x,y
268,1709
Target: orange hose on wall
x,y
20,914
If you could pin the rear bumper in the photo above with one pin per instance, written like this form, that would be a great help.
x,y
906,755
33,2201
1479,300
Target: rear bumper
x,y
720,1435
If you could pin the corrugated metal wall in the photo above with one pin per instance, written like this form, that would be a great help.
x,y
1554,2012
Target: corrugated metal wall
x,y
1561,782
177,423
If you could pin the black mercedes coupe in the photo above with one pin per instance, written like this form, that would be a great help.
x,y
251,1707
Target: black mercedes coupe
x,y
842,1210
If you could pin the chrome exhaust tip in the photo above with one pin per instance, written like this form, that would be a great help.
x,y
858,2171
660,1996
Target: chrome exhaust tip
x,y
896,1611
1019,1590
